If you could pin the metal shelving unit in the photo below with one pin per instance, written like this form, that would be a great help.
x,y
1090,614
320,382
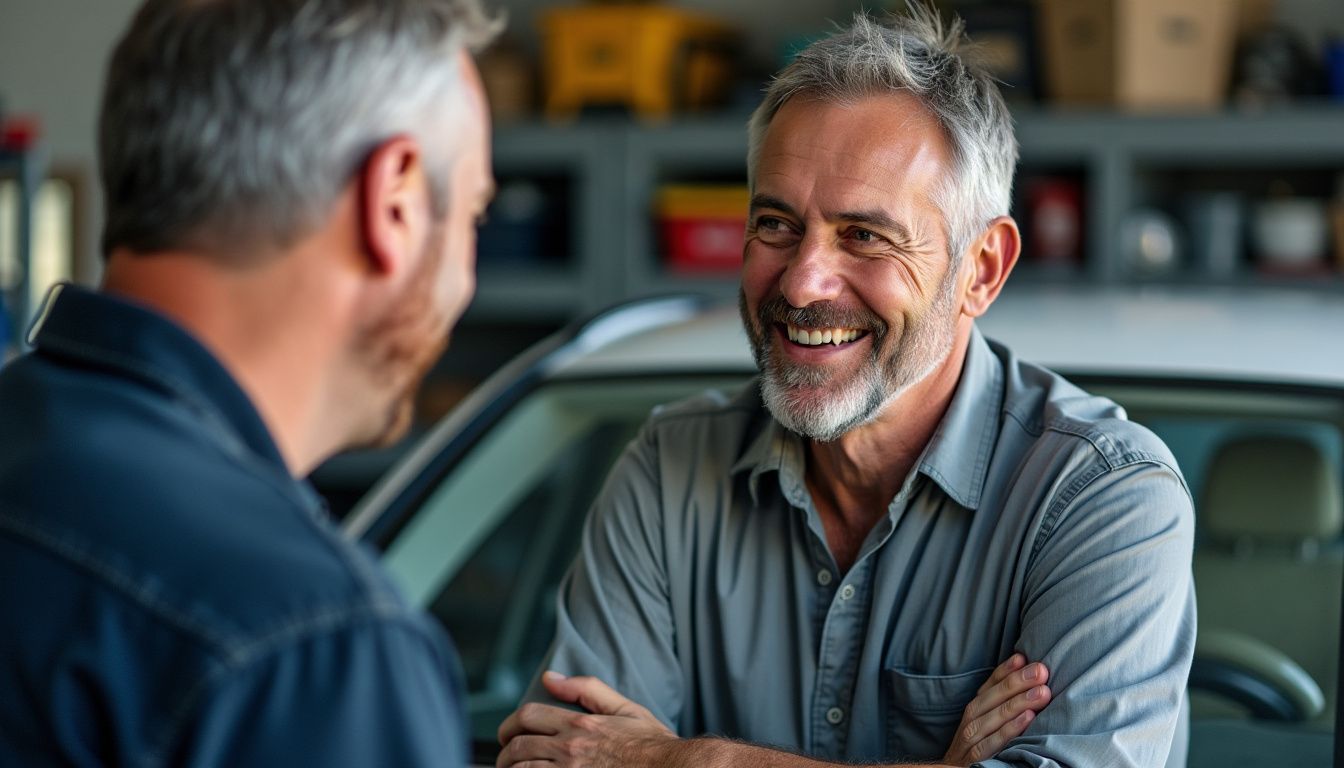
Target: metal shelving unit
x,y
616,167
25,166
589,158
1114,151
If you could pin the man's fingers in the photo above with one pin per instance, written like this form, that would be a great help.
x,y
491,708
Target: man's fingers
x,y
982,737
1005,715
989,746
1009,666
526,751
1013,684
592,694
532,718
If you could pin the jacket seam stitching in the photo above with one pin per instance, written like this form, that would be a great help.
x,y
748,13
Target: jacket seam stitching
x,y
270,645
120,582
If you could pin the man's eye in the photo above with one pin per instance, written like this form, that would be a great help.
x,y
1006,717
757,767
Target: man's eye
x,y
865,239
773,230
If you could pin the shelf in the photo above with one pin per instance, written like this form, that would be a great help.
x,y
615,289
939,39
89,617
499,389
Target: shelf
x,y
1310,132
588,155
688,151
1122,161
26,167
528,293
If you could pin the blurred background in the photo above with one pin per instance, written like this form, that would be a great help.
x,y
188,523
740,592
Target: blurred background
x,y
1195,142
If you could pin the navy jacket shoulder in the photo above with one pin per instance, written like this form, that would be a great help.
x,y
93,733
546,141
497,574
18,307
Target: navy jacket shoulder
x,y
177,597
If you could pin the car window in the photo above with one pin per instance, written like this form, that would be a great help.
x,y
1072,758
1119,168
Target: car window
x,y
487,549
492,540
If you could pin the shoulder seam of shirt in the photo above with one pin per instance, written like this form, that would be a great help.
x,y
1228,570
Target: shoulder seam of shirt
x,y
1114,455
372,613
1085,479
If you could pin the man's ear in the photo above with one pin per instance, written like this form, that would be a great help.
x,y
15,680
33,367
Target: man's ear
x,y
394,204
990,261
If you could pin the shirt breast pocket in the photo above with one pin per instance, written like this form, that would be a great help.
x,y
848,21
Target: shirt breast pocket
x,y
926,709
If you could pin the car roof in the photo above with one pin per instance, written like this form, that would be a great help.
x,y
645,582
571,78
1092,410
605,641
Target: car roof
x,y
1237,334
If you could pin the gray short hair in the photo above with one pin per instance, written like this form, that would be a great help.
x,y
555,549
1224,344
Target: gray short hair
x,y
917,54
238,123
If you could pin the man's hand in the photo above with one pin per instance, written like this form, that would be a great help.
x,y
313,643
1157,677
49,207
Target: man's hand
x,y
618,732
613,732
1002,709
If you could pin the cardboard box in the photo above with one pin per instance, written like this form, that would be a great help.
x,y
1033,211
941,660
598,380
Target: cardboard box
x,y
1139,54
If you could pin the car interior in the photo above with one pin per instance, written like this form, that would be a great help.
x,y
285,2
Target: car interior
x,y
1265,466
1265,469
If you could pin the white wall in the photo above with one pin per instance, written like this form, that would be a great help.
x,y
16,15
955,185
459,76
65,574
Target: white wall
x,y
52,55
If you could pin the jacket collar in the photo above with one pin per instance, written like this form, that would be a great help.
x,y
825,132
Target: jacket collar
x,y
115,334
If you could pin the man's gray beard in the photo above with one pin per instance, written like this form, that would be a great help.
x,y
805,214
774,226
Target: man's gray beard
x,y
859,400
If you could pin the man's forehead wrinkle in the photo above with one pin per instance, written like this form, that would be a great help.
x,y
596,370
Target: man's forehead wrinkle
x,y
785,153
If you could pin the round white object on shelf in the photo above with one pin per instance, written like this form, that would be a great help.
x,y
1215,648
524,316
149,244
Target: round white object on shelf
x,y
1150,242
1290,232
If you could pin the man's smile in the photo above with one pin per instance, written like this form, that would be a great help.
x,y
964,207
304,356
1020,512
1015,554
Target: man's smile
x,y
815,345
815,336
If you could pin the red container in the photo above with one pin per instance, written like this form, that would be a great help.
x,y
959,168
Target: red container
x,y
1055,221
702,227
704,244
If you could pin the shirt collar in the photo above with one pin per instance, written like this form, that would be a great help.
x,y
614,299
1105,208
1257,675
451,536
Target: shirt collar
x,y
958,454
773,449
956,458
136,342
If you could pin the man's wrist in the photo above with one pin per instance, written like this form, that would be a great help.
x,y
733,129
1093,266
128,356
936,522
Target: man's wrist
x,y
699,752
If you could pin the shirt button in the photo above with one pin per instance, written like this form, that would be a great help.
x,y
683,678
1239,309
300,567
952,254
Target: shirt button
x,y
834,715
823,577
846,591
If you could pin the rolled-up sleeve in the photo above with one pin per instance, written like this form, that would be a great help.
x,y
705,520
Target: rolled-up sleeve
x,y
614,619
1110,608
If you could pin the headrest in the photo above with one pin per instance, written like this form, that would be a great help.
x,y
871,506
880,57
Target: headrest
x,y
1272,488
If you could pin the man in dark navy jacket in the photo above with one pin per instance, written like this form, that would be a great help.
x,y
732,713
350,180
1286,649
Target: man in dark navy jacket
x,y
292,189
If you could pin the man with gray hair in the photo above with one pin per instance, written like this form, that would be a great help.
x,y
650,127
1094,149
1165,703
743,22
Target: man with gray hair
x,y
835,564
292,191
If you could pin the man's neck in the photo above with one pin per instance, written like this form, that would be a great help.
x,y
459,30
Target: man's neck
x,y
853,479
254,325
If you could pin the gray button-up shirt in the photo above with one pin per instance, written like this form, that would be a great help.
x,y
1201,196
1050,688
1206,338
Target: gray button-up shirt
x,y
1038,519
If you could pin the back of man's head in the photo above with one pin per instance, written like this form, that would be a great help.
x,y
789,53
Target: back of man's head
x,y
235,124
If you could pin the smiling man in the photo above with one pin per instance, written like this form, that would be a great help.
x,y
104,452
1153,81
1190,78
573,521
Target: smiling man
x,y
834,564
292,191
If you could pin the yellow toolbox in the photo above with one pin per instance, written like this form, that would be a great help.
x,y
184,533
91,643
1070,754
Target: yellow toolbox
x,y
650,58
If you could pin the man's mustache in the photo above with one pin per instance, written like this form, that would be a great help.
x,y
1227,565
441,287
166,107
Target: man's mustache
x,y
821,314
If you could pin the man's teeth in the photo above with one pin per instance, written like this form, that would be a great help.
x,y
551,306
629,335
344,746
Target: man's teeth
x,y
813,337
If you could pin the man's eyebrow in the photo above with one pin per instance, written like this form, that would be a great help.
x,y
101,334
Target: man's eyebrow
x,y
878,219
766,201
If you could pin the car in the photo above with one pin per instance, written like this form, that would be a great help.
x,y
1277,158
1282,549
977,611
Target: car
x,y
480,520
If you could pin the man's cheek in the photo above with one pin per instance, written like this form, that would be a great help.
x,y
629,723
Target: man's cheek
x,y
758,277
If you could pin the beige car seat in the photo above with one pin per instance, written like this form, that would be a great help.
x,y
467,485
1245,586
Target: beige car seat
x,y
1270,559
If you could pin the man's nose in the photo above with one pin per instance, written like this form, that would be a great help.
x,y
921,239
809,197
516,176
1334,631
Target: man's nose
x,y
812,274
